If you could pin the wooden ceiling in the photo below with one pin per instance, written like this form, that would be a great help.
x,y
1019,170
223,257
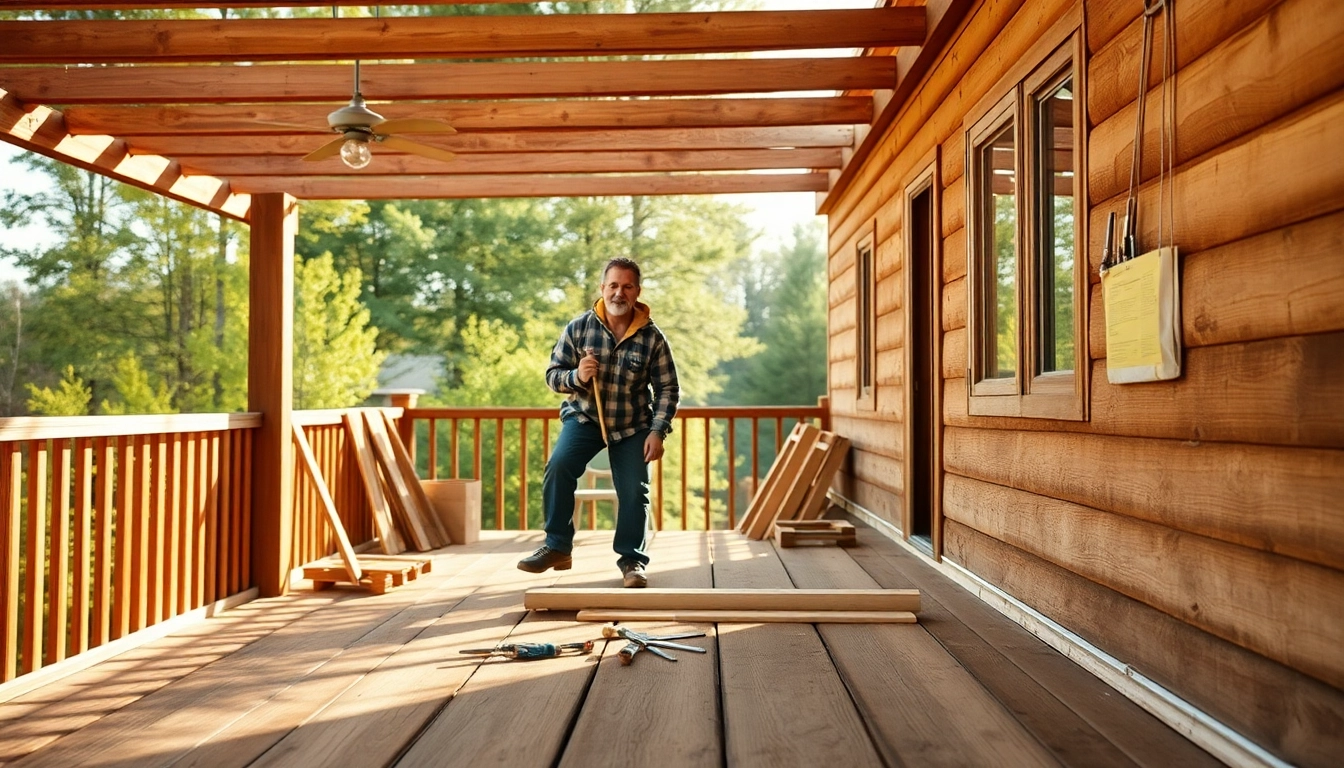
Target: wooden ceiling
x,y
211,111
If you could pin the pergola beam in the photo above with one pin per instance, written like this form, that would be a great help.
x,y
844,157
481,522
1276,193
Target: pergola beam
x,y
554,162
481,115
647,139
468,187
43,130
450,37
312,82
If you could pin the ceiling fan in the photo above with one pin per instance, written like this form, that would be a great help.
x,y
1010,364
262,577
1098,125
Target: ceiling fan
x,y
359,126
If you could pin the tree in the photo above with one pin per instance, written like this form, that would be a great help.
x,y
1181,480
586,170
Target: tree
x,y
786,302
335,360
70,398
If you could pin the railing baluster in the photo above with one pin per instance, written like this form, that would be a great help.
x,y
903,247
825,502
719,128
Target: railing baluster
x,y
708,490
236,513
212,520
121,588
433,473
103,498
732,473
158,499
476,450
659,511
779,435
499,473
140,523
522,475
245,549
11,512
755,454
83,530
59,557
225,502
173,535
35,555
453,442
685,511
202,504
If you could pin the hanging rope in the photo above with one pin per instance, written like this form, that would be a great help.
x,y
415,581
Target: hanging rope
x,y
1166,197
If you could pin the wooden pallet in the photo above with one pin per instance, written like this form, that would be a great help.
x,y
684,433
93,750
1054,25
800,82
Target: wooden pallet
x,y
791,533
377,573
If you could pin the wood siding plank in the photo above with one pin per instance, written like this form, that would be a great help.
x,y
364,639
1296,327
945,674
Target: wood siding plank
x,y
1298,718
1182,574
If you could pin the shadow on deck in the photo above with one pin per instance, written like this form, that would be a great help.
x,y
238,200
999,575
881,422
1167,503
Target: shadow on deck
x,y
342,677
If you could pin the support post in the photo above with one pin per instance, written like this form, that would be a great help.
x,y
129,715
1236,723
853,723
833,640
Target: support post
x,y
270,387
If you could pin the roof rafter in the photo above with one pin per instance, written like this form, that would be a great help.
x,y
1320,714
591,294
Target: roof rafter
x,y
481,116
133,41
466,187
535,162
313,82
42,130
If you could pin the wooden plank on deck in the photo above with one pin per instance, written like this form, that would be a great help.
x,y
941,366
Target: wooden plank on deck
x,y
519,713
656,712
920,704
308,723
783,700
1080,719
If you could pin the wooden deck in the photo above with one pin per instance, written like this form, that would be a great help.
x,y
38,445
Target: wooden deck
x,y
342,677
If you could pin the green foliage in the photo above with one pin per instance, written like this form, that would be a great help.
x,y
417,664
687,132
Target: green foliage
x,y
70,398
335,360
503,365
785,295
135,394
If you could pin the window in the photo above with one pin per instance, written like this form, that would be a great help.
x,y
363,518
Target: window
x,y
1027,279
865,324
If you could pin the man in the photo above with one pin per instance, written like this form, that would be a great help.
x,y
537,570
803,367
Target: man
x,y
613,352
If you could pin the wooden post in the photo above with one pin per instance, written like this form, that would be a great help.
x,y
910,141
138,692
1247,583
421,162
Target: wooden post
x,y
270,388
405,398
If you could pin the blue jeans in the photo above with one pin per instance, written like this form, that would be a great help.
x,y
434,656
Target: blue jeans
x,y
577,445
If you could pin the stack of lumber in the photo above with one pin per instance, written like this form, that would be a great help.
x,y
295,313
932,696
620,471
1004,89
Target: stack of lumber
x,y
375,573
795,487
791,533
402,513
745,606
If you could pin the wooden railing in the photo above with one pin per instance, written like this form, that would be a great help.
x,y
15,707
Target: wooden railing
x,y
712,462
112,524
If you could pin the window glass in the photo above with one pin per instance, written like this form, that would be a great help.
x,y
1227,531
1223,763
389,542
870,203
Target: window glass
x,y
1000,217
1055,201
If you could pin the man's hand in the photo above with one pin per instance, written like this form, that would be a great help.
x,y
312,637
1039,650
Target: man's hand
x,y
653,447
587,366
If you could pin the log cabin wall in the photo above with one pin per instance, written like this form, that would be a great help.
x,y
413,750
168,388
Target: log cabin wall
x,y
1192,528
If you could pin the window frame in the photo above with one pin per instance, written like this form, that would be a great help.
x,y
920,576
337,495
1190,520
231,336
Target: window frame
x,y
1028,394
865,320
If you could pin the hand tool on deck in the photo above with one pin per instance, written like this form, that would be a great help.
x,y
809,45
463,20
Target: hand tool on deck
x,y
654,643
528,651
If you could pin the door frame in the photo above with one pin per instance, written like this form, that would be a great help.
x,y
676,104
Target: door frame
x,y
926,178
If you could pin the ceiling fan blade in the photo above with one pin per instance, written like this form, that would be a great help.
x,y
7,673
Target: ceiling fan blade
x,y
413,125
330,149
415,147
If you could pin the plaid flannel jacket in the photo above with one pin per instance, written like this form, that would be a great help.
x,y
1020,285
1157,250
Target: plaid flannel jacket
x,y
636,374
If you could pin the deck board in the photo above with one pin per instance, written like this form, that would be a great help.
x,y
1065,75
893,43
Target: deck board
x,y
345,678
783,700
1083,721
656,712
922,706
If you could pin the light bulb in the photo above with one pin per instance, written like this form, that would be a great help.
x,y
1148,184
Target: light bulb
x,y
355,153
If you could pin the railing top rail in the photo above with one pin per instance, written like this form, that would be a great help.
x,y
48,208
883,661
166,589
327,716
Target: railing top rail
x,y
59,427
689,412
332,416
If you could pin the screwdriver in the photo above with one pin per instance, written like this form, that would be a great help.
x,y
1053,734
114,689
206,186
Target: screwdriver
x,y
528,651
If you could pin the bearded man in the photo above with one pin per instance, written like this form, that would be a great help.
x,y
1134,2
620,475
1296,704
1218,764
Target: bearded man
x,y
616,369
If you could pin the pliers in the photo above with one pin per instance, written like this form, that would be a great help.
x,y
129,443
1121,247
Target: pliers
x,y
654,643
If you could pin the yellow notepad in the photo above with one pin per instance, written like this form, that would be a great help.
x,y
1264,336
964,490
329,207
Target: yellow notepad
x,y
1142,299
